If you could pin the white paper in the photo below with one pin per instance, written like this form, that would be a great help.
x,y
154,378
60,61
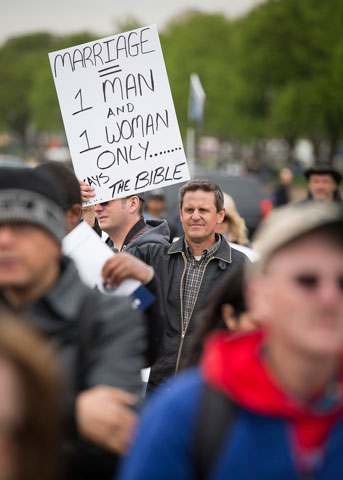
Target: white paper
x,y
90,253
119,115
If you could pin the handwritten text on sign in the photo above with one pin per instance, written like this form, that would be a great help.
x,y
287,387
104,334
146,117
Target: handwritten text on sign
x,y
119,114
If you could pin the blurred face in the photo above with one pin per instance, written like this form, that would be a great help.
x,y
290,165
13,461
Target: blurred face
x,y
11,417
112,215
199,217
29,257
322,187
155,206
300,297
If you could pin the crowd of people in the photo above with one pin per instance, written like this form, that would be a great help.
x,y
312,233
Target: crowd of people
x,y
244,338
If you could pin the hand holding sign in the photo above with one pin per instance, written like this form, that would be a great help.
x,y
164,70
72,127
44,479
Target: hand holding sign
x,y
119,115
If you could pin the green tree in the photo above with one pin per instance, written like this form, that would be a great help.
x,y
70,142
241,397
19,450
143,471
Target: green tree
x,y
201,44
289,59
19,58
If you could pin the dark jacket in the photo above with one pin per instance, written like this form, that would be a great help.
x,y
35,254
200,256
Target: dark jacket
x,y
112,356
170,265
152,232
156,231
143,232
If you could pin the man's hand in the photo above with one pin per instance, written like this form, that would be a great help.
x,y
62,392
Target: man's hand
x,y
122,266
104,416
87,193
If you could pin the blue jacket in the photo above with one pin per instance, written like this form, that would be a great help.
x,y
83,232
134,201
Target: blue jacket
x,y
257,446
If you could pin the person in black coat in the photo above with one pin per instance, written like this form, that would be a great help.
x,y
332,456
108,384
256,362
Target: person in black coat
x,y
100,339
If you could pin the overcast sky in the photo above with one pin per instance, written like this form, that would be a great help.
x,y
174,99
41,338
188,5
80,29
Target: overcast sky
x,y
101,16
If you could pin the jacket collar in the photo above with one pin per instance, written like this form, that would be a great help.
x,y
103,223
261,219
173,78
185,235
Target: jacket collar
x,y
223,252
65,297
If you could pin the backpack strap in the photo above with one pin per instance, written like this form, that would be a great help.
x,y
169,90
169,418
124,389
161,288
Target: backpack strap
x,y
214,419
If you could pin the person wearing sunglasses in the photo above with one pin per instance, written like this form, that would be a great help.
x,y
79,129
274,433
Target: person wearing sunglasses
x,y
122,219
273,397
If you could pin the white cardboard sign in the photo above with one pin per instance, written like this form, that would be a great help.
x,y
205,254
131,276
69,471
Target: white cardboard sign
x,y
119,115
90,253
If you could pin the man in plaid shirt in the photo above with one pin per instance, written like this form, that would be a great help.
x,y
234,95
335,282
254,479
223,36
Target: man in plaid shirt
x,y
187,270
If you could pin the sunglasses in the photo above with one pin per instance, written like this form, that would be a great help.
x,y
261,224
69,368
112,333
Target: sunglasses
x,y
103,204
311,281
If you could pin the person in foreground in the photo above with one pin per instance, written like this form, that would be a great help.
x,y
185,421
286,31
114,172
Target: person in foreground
x,y
100,339
32,389
283,383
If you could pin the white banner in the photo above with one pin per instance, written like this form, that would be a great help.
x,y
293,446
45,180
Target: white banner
x,y
90,253
119,115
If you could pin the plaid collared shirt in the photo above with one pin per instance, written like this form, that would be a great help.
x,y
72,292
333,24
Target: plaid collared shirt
x,y
192,281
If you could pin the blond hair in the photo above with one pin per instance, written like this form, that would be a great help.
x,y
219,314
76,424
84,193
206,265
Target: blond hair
x,y
237,229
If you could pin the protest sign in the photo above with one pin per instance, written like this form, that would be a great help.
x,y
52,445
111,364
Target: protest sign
x,y
119,115
89,254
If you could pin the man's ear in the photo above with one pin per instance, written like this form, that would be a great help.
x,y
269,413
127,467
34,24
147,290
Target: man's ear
x,y
228,316
254,293
134,204
73,215
220,216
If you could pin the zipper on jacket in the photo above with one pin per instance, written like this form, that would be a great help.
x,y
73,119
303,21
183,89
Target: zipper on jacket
x,y
184,330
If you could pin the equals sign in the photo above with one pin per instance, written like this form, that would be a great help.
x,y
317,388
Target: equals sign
x,y
109,70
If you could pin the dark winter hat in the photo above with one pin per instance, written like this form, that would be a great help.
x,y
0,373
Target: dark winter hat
x,y
323,169
31,196
157,194
141,195
288,223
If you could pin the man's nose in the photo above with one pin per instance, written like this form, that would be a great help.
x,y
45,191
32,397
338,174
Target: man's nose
x,y
98,207
6,234
330,290
195,215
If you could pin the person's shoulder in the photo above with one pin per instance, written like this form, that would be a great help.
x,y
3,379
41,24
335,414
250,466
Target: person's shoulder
x,y
236,256
248,252
178,393
148,248
156,231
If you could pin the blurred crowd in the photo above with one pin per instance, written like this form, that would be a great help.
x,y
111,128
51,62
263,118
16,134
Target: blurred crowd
x,y
234,367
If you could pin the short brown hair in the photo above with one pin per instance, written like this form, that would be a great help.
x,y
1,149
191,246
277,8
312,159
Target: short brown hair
x,y
37,436
206,186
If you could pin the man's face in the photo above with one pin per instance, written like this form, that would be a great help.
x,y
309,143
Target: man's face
x,y
112,215
301,296
28,255
322,187
199,216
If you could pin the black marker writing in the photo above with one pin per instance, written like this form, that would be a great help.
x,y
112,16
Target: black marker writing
x,y
79,93
158,175
138,126
132,86
120,155
88,146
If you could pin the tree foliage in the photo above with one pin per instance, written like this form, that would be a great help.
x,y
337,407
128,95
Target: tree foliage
x,y
277,72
